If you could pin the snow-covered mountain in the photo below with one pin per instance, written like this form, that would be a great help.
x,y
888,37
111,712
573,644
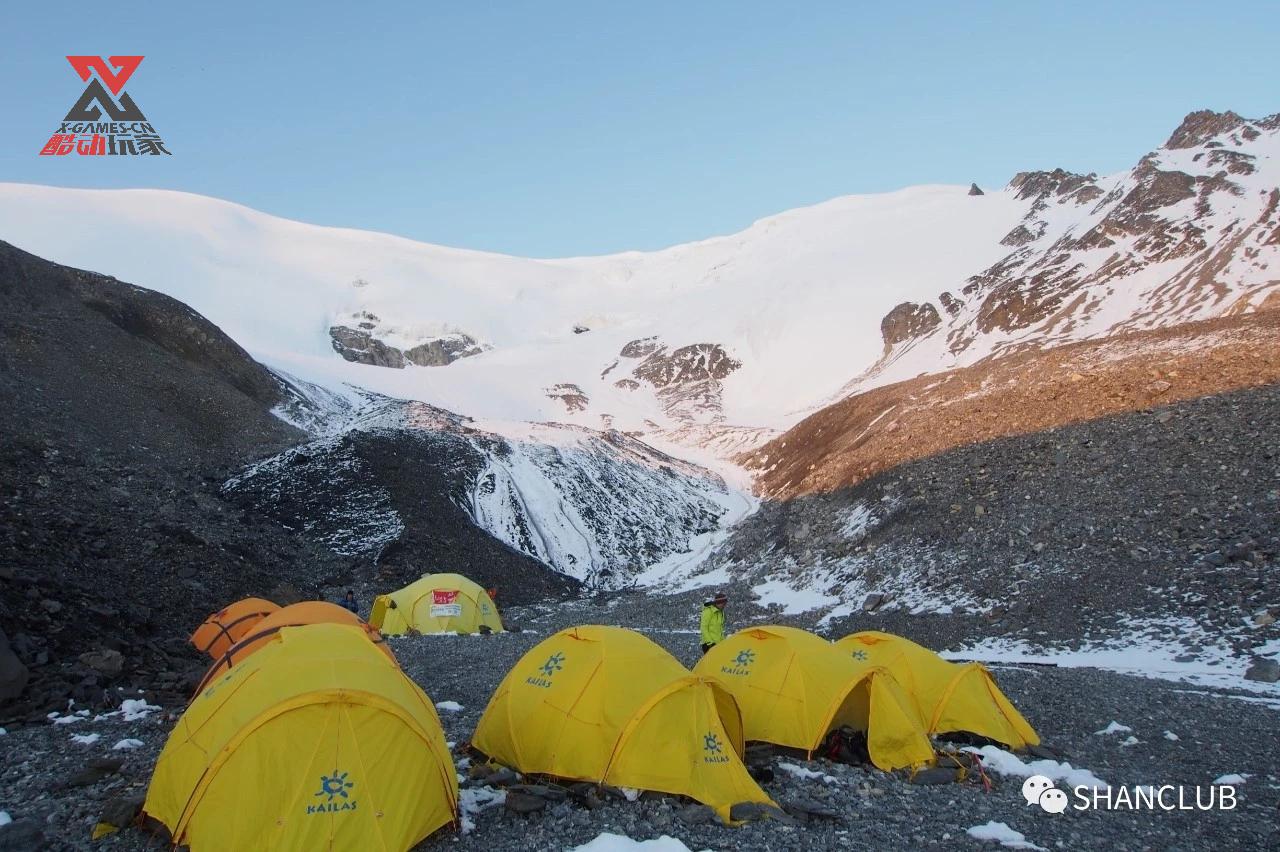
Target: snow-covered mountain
x,y
736,331
721,342
1192,232
600,507
701,351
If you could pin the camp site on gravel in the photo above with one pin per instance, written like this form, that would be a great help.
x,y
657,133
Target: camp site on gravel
x,y
640,427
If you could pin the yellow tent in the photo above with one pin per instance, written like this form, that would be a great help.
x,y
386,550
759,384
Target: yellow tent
x,y
949,696
794,687
607,705
317,741
437,603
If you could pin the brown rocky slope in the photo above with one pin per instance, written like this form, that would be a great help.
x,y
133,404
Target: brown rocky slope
x,y
874,431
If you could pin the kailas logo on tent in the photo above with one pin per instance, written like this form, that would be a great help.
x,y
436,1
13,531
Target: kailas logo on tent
x,y
741,663
714,749
859,655
1039,790
334,787
553,664
128,132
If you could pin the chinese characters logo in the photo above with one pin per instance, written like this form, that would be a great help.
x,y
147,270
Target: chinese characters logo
x,y
126,133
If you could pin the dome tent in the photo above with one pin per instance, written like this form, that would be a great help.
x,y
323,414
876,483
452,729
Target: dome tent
x,y
316,741
794,688
294,615
228,625
607,705
436,603
949,696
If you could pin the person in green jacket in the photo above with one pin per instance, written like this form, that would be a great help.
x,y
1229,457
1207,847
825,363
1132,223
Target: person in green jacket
x,y
713,621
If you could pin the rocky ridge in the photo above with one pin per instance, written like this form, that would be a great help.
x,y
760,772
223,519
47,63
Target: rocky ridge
x,y
122,409
687,379
1191,232
364,338
392,481
1028,392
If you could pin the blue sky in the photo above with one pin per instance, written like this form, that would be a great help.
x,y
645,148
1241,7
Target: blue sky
x,y
559,128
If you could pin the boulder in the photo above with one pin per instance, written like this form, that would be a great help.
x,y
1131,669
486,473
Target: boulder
x,y
936,775
286,594
752,811
547,792
104,661
121,811
586,794
23,835
13,674
523,803
696,814
805,809
95,771
1263,670
503,777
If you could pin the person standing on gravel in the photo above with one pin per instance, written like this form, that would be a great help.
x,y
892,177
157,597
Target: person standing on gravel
x,y
349,602
713,621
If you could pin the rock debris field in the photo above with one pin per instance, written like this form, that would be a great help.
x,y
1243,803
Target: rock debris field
x,y
56,778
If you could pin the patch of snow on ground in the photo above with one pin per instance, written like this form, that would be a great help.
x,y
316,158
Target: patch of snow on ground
x,y
1171,736
1004,763
608,842
85,739
858,522
840,611
449,706
5,819
136,708
1115,728
131,710
718,577
778,593
127,745
1130,741
1001,833
1232,779
804,772
473,800
1140,653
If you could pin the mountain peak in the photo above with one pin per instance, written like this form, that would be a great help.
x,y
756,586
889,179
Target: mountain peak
x,y
1201,126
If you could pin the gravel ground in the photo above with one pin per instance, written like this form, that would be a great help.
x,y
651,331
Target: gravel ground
x,y
1216,734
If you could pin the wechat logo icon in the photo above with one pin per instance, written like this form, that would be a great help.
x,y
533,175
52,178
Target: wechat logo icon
x,y
1039,790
